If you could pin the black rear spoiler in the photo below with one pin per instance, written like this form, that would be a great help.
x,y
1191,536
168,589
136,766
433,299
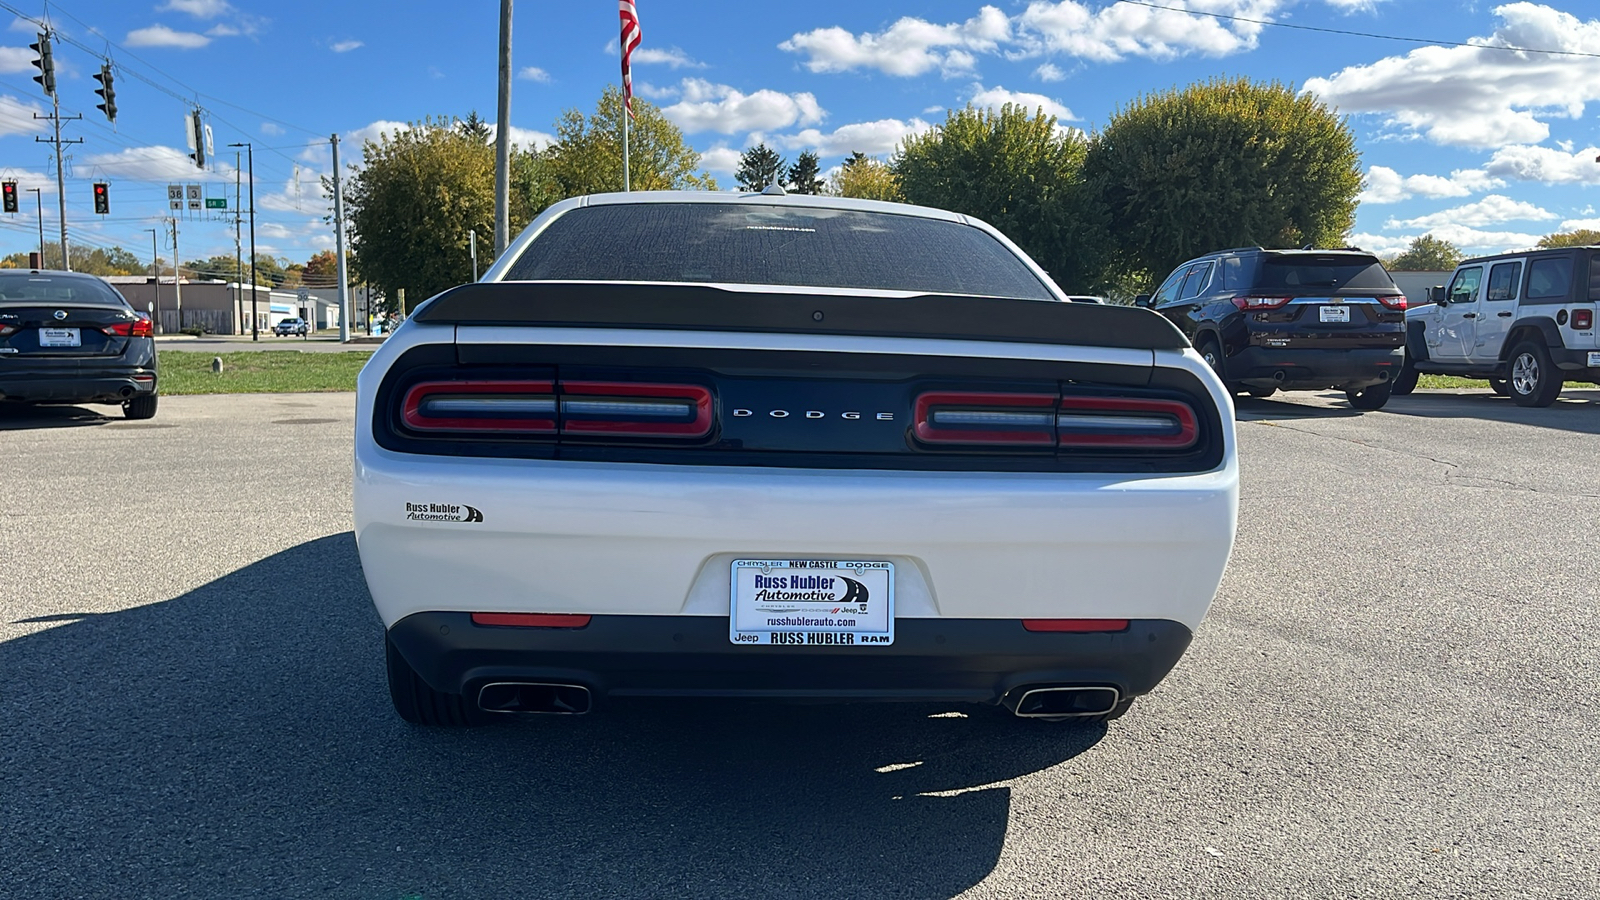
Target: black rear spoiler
x,y
705,308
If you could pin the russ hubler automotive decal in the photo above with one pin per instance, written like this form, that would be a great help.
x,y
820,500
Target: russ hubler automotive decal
x,y
442,512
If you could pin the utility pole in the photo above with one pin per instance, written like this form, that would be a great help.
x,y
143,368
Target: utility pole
x,y
255,312
338,244
38,197
177,276
47,80
502,139
155,266
238,258
472,247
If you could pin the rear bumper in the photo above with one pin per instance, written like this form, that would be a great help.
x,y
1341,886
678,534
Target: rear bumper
x,y
1304,369
108,386
956,660
1576,365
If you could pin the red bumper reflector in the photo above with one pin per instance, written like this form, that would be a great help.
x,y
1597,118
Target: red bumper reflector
x,y
1075,625
532,620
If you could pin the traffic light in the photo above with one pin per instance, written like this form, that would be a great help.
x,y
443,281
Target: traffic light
x,y
102,197
10,191
197,138
108,93
46,64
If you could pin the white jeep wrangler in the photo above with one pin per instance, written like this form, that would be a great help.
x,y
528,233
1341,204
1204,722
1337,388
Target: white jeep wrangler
x,y
1525,321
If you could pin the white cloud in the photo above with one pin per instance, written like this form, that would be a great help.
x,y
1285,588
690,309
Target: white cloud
x,y
910,46
16,59
1524,163
871,138
373,132
1049,72
528,138
672,57
200,9
1476,241
1385,185
996,97
346,46
1475,96
720,160
1579,225
1121,30
652,92
222,30
1491,210
16,116
271,129
1354,6
534,73
156,163
162,36
1380,244
717,107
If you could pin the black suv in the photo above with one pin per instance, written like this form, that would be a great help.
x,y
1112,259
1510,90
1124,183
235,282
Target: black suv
x,y
1298,320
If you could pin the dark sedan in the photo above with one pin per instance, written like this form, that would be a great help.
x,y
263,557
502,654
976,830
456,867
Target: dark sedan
x,y
71,338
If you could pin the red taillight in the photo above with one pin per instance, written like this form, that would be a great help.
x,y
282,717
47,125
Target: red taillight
x,y
143,327
624,409
140,327
1126,423
955,417
1582,319
1075,625
1044,420
532,620
1260,302
6,329
611,409
522,407
1398,302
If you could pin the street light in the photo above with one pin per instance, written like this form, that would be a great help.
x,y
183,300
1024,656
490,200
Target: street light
x,y
255,313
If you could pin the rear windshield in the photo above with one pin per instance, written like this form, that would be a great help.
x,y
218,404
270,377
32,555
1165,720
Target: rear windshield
x,y
27,288
739,243
1303,272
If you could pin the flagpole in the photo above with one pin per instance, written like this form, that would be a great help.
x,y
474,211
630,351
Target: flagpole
x,y
627,183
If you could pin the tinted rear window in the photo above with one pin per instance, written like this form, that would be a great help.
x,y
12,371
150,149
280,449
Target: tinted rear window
x,y
25,288
766,244
1549,279
1318,273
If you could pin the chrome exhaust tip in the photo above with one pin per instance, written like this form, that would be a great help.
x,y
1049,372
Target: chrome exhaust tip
x,y
1063,702
535,697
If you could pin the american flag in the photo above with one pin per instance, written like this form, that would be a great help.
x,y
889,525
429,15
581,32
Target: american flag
x,y
631,35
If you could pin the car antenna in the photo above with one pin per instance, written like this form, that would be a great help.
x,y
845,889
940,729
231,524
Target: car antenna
x,y
774,189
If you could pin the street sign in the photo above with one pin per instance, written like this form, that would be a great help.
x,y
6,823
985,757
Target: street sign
x,y
216,203
304,294
175,196
192,191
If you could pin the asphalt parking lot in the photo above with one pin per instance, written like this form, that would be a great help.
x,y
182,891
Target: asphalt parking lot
x,y
1395,695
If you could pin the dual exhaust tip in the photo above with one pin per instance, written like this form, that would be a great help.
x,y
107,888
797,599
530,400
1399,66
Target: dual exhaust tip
x,y
554,698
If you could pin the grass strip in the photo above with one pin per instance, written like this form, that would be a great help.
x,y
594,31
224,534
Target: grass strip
x,y
259,372
1456,382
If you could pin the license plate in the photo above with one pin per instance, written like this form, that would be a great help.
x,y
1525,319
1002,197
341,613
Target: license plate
x,y
60,337
1594,359
1335,313
812,602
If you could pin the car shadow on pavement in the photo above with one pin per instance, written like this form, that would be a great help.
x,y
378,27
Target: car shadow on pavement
x,y
239,739
25,417
1577,409
1255,409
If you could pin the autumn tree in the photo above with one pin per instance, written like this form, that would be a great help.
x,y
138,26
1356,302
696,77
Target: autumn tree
x,y
865,177
1017,170
90,260
803,175
759,167
322,270
587,155
1222,163
1582,237
1426,254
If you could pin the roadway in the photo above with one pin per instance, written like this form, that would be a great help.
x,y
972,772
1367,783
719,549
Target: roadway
x,y
1394,696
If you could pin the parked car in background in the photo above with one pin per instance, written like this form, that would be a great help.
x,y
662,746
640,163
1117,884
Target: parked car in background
x,y
293,325
69,338
1293,320
1525,321
784,447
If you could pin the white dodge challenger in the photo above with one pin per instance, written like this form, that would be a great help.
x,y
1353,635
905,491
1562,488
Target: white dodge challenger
x,y
753,445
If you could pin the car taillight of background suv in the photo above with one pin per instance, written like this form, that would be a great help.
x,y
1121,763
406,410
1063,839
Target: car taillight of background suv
x,y
1270,320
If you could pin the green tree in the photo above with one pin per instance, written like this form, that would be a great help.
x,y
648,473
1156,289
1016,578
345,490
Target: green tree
x,y
1583,237
865,178
1016,170
1222,163
414,199
587,155
475,128
90,260
759,167
1426,254
803,174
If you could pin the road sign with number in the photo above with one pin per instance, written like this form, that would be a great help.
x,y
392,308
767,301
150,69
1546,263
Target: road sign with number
x,y
216,203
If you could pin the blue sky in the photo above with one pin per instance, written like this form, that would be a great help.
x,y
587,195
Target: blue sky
x,y
1487,148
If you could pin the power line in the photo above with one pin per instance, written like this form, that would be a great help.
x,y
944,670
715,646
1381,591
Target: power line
x,y
1366,34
